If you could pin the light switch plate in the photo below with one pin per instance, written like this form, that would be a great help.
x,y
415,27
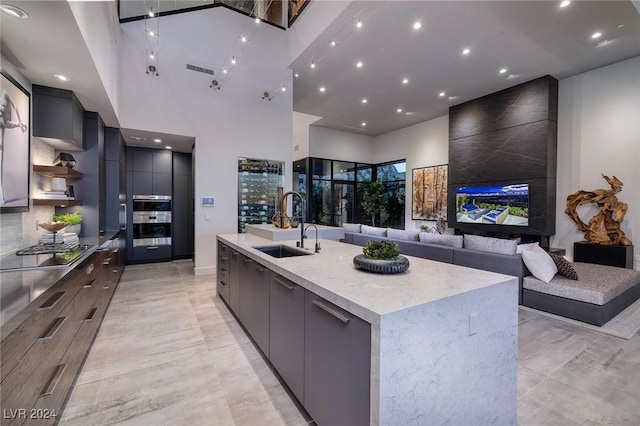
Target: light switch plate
x,y
208,201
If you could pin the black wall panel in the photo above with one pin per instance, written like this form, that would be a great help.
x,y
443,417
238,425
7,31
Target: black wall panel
x,y
508,137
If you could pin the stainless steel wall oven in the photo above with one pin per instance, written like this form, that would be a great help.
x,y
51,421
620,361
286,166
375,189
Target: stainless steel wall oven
x,y
151,220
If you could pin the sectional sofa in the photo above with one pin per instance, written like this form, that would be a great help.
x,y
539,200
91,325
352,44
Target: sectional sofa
x,y
475,252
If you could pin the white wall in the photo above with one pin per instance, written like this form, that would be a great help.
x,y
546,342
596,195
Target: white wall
x,y
227,124
423,144
599,133
301,123
339,145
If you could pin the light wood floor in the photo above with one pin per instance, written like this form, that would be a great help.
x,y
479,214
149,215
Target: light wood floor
x,y
170,353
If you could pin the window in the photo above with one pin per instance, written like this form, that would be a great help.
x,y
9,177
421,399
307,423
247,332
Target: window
x,y
393,175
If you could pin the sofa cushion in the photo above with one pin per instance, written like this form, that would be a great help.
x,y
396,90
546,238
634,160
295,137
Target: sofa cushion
x,y
351,227
598,284
564,267
441,239
539,263
373,230
493,245
398,234
525,246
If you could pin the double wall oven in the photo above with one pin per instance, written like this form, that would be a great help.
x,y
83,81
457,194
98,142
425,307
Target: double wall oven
x,y
151,220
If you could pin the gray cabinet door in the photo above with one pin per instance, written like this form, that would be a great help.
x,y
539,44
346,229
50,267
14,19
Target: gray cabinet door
x,y
234,281
162,162
286,332
244,290
182,216
162,184
142,183
141,161
254,302
222,271
337,359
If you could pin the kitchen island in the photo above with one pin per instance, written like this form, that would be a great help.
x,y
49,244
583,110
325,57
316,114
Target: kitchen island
x,y
442,343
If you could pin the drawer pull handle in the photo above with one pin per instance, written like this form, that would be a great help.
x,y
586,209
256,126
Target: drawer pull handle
x,y
223,257
91,313
223,246
107,284
283,284
260,269
116,250
223,270
246,260
234,253
107,261
331,311
152,248
90,283
115,270
51,386
55,326
223,283
51,302
90,269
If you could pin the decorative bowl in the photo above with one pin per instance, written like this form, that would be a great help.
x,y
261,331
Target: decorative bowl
x,y
53,226
380,266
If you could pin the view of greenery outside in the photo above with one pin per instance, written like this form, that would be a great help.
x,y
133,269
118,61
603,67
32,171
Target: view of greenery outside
x,y
393,175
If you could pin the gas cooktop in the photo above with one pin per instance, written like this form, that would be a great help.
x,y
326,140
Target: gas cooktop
x,y
48,249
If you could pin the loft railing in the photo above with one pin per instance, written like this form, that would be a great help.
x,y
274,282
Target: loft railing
x,y
272,11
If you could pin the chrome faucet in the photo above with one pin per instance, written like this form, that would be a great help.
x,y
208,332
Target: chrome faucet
x,y
301,242
317,250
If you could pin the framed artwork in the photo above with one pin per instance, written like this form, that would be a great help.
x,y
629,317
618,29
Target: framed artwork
x,y
429,193
15,145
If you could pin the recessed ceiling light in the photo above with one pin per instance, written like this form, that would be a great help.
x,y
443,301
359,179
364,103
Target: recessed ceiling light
x,y
157,140
332,43
243,39
565,3
14,11
257,20
502,70
399,110
364,100
604,43
322,89
452,97
408,113
442,94
233,60
596,35
405,81
364,123
283,88
168,147
417,25
359,64
151,14
61,77
466,51
359,23
138,138
296,75
313,65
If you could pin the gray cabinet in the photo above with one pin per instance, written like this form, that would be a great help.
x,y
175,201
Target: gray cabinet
x,y
152,253
222,285
337,362
286,332
143,183
162,161
152,171
254,301
141,161
235,260
182,206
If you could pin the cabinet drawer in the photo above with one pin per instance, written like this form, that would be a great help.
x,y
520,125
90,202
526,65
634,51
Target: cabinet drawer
x,y
37,368
48,306
152,253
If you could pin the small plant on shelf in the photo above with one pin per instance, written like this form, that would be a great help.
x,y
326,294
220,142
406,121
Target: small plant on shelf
x,y
383,250
74,218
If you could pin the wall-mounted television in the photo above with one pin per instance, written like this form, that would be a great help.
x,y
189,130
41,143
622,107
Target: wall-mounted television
x,y
493,204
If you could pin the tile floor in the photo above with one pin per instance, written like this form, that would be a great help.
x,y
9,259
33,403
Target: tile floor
x,y
169,352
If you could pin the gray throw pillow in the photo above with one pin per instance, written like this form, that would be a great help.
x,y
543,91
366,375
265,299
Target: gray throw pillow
x,y
399,234
493,245
351,227
441,239
373,230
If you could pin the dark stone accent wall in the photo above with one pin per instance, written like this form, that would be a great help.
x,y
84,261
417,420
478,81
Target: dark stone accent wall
x,y
508,137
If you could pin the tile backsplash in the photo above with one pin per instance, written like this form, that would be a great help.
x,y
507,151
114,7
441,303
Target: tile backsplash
x,y
18,230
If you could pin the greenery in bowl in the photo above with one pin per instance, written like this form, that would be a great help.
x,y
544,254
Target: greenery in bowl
x,y
383,250
74,218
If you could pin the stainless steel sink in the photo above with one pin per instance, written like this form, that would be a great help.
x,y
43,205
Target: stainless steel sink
x,y
281,251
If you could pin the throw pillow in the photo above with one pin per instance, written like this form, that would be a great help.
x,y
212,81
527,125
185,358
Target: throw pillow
x,y
351,227
539,263
373,230
564,267
493,245
444,240
399,234
525,246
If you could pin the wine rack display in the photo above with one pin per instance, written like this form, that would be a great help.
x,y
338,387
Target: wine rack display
x,y
258,182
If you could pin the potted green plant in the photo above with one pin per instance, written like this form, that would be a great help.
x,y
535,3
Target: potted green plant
x,y
374,200
74,221
382,257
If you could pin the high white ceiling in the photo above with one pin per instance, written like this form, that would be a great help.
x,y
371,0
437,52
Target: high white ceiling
x,y
528,38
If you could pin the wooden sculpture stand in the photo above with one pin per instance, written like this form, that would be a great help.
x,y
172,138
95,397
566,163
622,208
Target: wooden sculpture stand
x,y
604,227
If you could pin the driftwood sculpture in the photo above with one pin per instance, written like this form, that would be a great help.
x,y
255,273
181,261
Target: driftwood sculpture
x,y
604,227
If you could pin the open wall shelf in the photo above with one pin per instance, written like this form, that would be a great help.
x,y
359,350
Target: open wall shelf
x,y
57,171
56,203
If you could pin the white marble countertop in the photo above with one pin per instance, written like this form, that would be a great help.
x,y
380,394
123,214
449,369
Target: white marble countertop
x,y
331,274
270,232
